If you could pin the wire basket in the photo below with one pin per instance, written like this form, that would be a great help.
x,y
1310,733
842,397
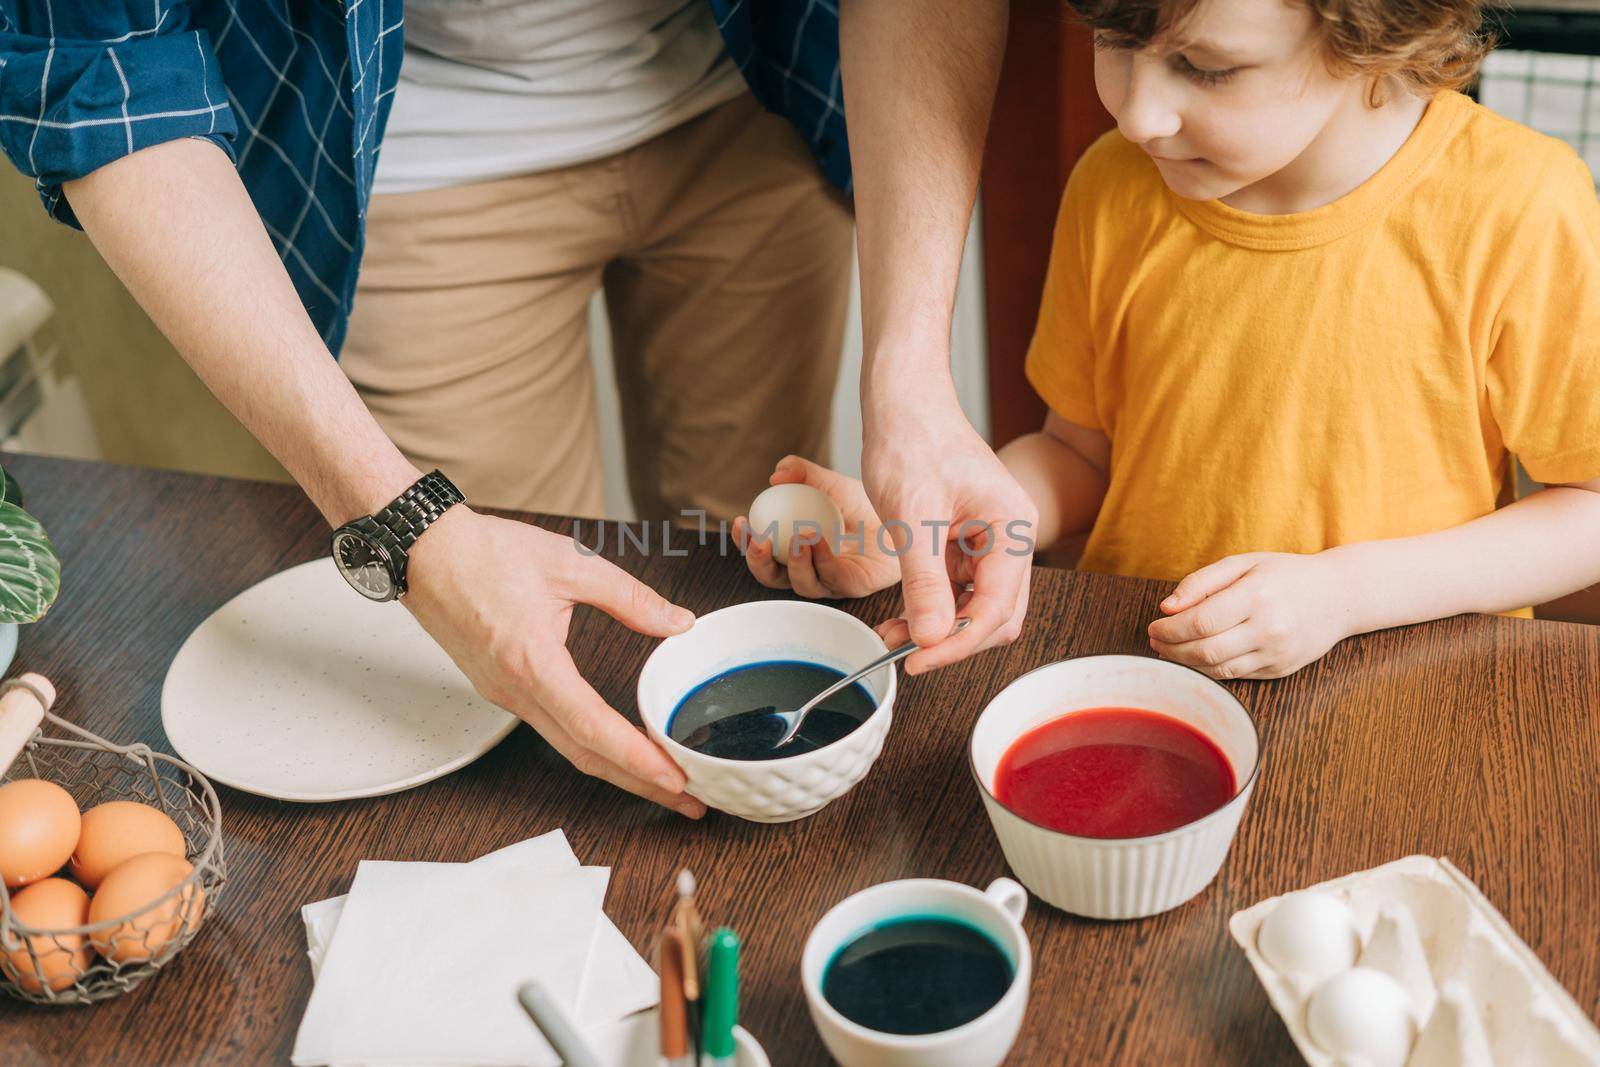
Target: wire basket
x,y
75,965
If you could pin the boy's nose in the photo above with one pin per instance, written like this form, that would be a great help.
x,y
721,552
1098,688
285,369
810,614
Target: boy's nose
x,y
1147,112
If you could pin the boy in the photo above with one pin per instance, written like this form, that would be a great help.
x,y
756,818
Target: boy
x,y
1303,306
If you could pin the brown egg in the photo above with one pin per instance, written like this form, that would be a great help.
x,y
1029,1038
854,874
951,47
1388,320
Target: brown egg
x,y
38,830
120,830
51,904
131,886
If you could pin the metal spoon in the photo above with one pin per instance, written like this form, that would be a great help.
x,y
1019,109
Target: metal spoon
x,y
796,718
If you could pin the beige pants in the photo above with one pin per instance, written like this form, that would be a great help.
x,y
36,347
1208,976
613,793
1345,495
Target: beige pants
x,y
725,259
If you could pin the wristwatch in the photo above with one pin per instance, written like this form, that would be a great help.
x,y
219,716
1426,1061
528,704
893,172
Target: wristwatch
x,y
371,551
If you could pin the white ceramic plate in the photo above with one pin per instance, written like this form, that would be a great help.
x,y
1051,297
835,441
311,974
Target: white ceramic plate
x,y
300,689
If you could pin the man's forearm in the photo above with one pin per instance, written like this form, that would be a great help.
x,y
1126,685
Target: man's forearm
x,y
176,225
1543,546
919,79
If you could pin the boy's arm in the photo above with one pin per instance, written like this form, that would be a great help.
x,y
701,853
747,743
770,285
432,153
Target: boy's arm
x,y
1267,614
1064,469
1543,546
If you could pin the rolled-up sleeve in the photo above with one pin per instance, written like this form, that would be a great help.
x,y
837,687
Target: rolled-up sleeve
x,y
84,84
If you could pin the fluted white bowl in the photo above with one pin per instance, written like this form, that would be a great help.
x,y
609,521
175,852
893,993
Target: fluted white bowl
x,y
778,790
1116,878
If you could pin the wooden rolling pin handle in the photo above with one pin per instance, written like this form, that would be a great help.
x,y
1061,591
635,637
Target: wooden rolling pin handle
x,y
21,713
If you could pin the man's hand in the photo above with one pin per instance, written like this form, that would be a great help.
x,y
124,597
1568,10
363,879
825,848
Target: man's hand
x,y
962,519
497,595
1259,615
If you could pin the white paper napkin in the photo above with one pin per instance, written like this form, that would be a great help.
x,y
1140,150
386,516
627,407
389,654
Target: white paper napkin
x,y
421,962
617,981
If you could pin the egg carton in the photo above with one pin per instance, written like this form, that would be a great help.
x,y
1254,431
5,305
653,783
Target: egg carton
x,y
1409,965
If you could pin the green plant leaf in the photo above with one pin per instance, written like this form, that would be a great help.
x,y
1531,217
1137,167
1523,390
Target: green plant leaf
x,y
30,574
10,491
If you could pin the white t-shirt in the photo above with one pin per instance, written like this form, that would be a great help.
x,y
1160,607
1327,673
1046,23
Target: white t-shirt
x,y
495,88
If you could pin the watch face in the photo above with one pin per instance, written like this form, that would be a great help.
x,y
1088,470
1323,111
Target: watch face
x,y
363,565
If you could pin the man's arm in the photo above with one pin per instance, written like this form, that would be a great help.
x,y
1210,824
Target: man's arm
x,y
919,79
176,225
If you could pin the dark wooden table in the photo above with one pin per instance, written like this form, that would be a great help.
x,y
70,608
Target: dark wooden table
x,y
1474,738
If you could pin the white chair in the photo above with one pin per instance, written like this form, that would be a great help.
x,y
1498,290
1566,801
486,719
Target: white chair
x,y
41,408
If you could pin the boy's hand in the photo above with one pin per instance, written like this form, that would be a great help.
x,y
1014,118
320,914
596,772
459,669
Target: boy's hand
x,y
1258,615
813,570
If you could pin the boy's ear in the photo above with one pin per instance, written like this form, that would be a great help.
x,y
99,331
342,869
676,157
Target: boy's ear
x,y
1379,90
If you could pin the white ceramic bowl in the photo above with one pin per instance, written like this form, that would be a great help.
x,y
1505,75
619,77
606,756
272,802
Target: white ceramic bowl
x,y
1116,878
777,790
983,1042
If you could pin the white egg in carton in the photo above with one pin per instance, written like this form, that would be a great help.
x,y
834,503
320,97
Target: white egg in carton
x,y
1409,965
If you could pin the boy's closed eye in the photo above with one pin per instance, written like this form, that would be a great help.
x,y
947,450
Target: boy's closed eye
x,y
1200,74
1202,64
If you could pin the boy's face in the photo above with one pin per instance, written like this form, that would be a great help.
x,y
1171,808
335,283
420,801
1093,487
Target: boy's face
x,y
1228,98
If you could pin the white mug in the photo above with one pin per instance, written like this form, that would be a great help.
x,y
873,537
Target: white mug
x,y
983,1042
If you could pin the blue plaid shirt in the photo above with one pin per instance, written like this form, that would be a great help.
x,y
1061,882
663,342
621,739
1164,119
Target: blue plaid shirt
x,y
297,93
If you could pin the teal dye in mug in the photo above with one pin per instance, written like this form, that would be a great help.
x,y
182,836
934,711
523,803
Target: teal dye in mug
x,y
731,715
918,974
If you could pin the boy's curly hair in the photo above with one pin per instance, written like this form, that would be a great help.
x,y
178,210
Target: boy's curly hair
x,y
1427,44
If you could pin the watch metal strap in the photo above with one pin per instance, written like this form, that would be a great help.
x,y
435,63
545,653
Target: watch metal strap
x,y
414,510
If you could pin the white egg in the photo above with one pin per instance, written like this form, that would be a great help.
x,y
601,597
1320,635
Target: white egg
x,y
785,511
1362,1015
1310,934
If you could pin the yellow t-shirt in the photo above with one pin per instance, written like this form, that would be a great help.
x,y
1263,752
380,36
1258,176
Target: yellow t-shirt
x,y
1359,371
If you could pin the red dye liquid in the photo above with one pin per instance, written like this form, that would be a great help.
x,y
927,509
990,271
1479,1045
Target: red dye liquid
x,y
1114,772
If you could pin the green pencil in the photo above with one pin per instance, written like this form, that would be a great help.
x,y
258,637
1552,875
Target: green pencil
x,y
720,999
